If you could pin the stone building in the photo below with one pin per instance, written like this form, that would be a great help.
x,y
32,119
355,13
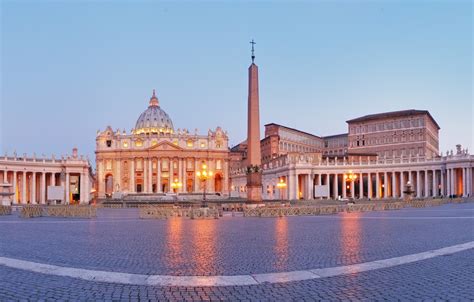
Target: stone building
x,y
154,158
30,178
395,134
376,159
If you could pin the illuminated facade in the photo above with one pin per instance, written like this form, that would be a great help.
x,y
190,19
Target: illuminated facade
x,y
154,159
30,177
375,159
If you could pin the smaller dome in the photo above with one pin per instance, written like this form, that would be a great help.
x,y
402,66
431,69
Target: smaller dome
x,y
154,119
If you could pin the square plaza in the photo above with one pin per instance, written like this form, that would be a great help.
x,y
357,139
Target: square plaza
x,y
236,151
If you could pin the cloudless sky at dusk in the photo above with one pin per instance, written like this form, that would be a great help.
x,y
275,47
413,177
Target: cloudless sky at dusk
x,y
69,69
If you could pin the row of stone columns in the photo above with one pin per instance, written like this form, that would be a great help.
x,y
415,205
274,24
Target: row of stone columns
x,y
181,175
31,187
388,184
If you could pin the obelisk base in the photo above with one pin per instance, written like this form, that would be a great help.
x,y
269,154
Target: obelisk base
x,y
254,187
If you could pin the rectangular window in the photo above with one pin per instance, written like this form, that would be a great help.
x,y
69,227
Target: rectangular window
x,y
164,165
139,165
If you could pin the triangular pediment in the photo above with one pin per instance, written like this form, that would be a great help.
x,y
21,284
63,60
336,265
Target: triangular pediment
x,y
165,146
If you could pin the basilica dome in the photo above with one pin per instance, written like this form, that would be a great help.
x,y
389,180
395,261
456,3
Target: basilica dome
x,y
153,119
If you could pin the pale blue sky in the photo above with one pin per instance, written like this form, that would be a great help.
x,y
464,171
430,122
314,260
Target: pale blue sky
x,y
69,69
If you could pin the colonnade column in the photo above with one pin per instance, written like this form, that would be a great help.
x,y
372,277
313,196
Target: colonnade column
x,y
448,182
43,188
4,176
453,181
309,187
464,182
81,187
33,188
377,185
441,174
67,189
23,191
344,187
369,185
86,187
52,180
402,184
385,185
418,184
15,196
434,193
327,182
352,188
335,187
394,185
361,186
158,175
426,184
469,179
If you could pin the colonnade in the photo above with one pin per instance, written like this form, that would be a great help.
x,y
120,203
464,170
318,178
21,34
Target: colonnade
x,y
30,187
372,184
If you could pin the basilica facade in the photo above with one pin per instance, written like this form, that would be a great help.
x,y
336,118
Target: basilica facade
x,y
156,160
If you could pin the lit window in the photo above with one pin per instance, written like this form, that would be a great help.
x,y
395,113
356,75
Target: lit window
x,y
190,143
203,144
138,143
125,144
218,164
153,143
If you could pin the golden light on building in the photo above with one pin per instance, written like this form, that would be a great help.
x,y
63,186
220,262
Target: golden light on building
x,y
350,176
281,184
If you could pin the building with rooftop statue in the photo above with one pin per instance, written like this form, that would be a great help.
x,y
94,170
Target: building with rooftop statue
x,y
47,180
155,160
376,159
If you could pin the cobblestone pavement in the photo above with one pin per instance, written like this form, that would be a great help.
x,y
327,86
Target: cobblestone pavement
x,y
118,241
441,278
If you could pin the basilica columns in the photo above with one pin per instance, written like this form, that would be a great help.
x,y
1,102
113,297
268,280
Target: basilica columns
x,y
171,175
150,176
158,176
132,175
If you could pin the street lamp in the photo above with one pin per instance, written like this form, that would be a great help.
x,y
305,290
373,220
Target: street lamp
x,y
176,185
350,177
281,185
203,175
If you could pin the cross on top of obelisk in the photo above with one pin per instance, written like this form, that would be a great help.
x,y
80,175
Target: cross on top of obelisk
x,y
253,50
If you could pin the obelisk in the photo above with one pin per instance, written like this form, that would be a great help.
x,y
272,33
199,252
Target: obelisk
x,y
254,175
